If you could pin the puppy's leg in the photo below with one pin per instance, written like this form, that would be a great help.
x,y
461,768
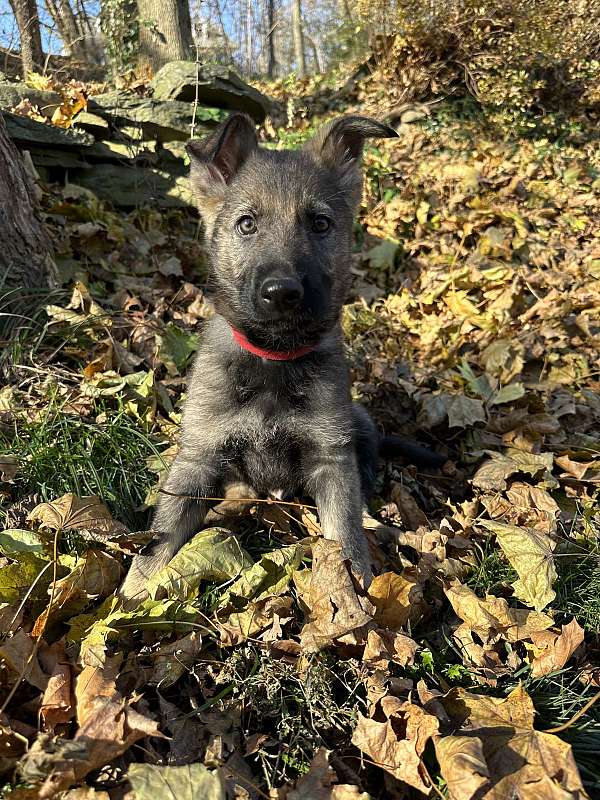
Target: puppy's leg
x,y
335,484
176,520
366,443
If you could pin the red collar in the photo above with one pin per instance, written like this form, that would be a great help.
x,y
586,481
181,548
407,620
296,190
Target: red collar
x,y
270,355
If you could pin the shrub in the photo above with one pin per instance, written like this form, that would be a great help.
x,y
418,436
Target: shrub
x,y
524,60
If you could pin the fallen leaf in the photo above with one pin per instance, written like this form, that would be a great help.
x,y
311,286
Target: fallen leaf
x,y
320,783
463,766
94,682
492,474
396,598
492,616
72,512
9,467
556,654
174,659
530,554
397,744
385,646
521,761
335,610
57,704
18,651
95,577
110,729
190,782
213,554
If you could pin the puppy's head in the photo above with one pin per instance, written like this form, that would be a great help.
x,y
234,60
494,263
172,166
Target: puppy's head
x,y
279,225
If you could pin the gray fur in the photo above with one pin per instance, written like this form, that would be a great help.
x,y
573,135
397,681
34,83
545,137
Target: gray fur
x,y
276,426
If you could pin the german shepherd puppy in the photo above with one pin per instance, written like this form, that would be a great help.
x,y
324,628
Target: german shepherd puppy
x,y
269,397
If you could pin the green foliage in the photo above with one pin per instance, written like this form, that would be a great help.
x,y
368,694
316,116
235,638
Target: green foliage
x,y
119,25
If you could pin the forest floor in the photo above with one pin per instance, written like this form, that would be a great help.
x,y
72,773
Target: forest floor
x,y
474,327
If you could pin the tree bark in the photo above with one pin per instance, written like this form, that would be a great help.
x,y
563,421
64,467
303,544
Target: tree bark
x,y
298,37
165,32
28,22
25,260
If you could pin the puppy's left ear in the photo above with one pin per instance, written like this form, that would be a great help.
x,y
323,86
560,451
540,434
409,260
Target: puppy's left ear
x,y
339,145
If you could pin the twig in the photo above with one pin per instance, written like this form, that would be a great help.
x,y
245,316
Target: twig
x,y
271,501
195,106
575,717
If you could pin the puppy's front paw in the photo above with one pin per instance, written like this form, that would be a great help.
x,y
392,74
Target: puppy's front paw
x,y
133,590
360,565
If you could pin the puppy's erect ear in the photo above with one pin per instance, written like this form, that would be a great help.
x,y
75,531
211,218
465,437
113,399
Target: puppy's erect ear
x,y
215,160
339,145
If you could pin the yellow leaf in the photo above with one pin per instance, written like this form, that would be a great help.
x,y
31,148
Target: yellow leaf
x,y
530,554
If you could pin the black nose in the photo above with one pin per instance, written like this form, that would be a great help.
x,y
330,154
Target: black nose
x,y
281,294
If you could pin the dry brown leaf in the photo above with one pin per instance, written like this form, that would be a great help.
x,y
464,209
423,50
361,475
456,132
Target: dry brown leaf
x,y
397,598
556,654
336,611
110,729
9,467
255,618
58,705
94,682
95,577
79,513
173,659
492,617
411,514
521,761
384,646
18,652
397,744
462,765
320,783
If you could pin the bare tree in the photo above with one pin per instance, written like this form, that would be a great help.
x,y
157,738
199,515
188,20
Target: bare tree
x,y
69,27
165,32
28,22
298,37
317,52
24,245
248,37
270,37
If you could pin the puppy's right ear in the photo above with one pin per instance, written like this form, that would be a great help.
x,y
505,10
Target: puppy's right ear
x,y
215,160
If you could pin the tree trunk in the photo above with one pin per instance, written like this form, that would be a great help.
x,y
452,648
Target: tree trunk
x,y
248,37
25,260
345,12
28,22
271,38
165,32
66,22
298,37
316,52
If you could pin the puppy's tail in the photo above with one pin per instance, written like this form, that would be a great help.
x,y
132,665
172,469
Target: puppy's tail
x,y
393,446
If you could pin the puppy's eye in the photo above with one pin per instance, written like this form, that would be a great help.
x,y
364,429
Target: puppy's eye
x,y
246,225
321,224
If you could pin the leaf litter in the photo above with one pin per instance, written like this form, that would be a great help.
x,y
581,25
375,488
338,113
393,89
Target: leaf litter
x,y
257,666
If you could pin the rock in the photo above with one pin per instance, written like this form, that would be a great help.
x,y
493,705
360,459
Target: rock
x,y
92,123
164,120
131,186
11,95
214,86
25,131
